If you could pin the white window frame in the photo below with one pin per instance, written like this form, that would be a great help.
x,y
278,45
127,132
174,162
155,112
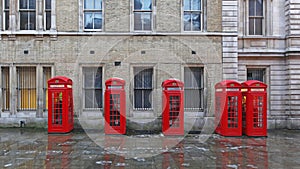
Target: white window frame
x,y
247,19
5,26
93,11
45,86
26,88
5,89
84,88
201,11
45,14
201,88
152,88
27,10
153,6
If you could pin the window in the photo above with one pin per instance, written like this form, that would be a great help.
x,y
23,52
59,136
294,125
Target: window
x,y
27,14
92,87
5,89
192,15
46,77
142,15
26,88
256,17
256,74
92,14
143,88
6,14
47,14
193,88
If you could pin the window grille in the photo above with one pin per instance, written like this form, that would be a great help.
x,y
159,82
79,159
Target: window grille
x,y
26,88
193,88
5,89
92,87
143,88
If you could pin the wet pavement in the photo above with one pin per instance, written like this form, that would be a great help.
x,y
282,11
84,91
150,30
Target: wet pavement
x,y
33,148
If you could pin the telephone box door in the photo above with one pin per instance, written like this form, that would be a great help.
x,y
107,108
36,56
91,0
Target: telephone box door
x,y
173,117
228,108
115,115
255,108
60,105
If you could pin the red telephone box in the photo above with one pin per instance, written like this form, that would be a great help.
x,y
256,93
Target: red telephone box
x,y
172,104
254,108
228,108
115,106
60,105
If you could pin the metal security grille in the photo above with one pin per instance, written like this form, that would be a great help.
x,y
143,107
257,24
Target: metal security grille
x,y
193,88
26,88
92,87
256,74
5,89
57,108
258,111
174,111
46,77
143,88
114,110
232,106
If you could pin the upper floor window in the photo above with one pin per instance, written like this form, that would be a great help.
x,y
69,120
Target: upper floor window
x,y
142,15
6,14
92,14
47,10
192,15
256,17
27,9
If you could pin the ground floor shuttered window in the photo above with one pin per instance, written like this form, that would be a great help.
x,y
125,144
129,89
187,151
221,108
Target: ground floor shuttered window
x,y
92,87
5,88
143,88
26,88
193,88
46,77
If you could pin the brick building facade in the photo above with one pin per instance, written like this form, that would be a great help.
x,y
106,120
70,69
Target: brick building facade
x,y
146,42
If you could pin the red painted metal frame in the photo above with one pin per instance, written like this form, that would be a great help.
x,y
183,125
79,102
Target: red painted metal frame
x,y
254,108
173,107
60,105
228,108
115,106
